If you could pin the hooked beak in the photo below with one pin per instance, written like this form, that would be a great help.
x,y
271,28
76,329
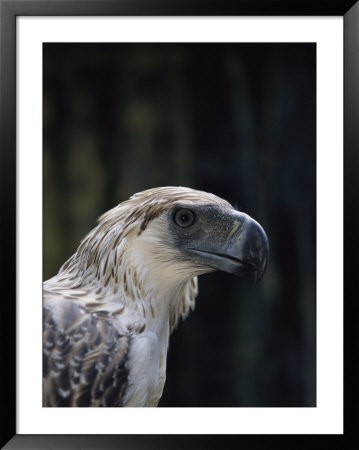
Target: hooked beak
x,y
243,252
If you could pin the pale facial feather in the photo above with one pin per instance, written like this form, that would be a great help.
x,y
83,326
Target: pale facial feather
x,y
129,267
130,255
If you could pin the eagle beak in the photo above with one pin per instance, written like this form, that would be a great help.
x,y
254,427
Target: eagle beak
x,y
249,249
243,250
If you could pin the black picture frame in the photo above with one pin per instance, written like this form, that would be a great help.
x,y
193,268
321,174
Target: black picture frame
x,y
9,10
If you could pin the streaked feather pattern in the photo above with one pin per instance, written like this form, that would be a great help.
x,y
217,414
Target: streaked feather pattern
x,y
109,312
85,356
106,327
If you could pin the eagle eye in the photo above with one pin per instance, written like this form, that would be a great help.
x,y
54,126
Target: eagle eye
x,y
184,218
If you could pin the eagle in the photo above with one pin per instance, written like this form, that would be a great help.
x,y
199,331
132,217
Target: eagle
x,y
109,312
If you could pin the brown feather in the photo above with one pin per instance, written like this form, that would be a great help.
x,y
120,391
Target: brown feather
x,y
81,355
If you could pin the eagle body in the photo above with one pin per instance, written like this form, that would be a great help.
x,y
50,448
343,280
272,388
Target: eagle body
x,y
110,310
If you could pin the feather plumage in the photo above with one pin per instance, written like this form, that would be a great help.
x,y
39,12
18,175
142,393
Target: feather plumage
x,y
109,312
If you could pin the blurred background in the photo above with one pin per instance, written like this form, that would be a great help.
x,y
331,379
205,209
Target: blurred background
x,y
237,120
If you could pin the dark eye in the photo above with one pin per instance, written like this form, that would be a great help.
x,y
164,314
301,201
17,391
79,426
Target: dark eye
x,y
184,218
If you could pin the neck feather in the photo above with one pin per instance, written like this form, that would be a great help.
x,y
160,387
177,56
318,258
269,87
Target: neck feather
x,y
115,277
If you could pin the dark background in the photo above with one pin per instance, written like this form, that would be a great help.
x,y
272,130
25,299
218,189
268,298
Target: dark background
x,y
237,120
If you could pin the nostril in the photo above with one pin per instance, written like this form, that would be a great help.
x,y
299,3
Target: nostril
x,y
234,229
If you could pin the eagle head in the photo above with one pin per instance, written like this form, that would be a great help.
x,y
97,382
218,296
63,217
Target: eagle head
x,y
175,233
